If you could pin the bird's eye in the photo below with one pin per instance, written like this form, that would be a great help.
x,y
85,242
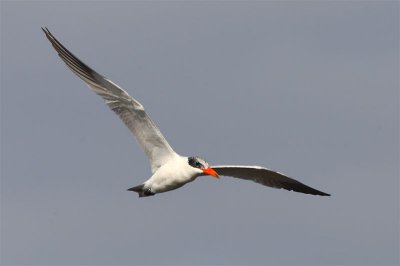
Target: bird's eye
x,y
197,163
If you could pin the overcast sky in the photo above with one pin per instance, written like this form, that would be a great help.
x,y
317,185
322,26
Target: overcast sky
x,y
310,89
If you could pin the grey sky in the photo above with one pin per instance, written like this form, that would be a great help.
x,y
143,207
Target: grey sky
x,y
307,88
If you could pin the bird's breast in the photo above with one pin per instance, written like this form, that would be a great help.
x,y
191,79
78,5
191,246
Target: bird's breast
x,y
171,175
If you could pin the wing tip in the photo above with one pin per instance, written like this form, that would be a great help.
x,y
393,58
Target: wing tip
x,y
313,191
322,194
46,31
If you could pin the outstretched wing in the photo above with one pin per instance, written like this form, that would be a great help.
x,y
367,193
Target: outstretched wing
x,y
266,177
126,107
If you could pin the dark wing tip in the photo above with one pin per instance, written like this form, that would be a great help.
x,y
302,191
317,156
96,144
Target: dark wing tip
x,y
300,187
77,66
320,193
46,31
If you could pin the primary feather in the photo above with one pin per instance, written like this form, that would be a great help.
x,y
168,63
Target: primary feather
x,y
130,111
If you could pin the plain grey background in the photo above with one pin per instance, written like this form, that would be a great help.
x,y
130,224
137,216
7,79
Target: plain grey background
x,y
307,88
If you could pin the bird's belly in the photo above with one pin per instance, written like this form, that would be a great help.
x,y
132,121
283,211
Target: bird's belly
x,y
167,184
160,184
171,175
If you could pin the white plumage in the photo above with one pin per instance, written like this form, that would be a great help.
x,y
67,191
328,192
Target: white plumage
x,y
170,170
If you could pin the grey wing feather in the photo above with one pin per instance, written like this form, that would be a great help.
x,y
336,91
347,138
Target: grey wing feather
x,y
266,177
126,107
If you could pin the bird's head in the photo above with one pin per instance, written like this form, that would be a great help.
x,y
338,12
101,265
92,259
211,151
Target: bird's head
x,y
201,164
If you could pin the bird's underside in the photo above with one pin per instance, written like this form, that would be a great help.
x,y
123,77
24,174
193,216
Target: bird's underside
x,y
170,170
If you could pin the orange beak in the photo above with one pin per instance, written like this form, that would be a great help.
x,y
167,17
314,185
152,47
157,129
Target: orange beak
x,y
211,172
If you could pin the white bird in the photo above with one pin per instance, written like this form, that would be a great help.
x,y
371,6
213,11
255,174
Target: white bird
x,y
169,169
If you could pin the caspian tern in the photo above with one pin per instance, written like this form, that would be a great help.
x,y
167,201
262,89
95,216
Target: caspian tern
x,y
169,169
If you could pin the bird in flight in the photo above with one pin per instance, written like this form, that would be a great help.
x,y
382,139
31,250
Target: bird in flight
x,y
169,169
